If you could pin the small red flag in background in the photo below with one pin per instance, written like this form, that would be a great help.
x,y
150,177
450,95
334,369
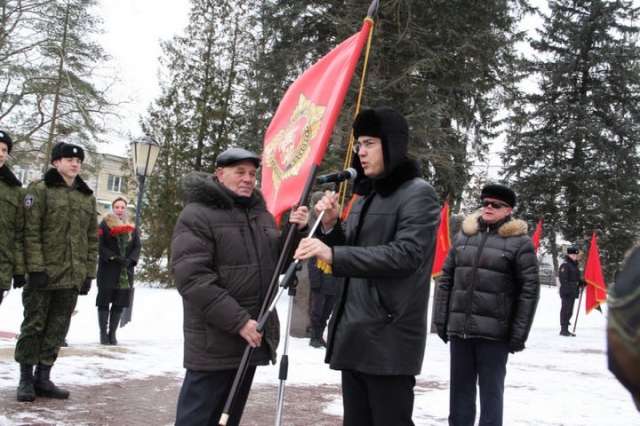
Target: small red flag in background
x,y
443,241
300,129
536,235
596,288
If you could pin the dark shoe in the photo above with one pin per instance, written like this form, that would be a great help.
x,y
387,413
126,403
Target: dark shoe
x,y
565,332
316,338
114,322
65,344
45,387
103,319
26,392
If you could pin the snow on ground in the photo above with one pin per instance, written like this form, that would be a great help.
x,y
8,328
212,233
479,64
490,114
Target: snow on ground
x,y
555,381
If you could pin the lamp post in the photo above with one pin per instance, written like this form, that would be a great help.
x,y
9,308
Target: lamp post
x,y
144,153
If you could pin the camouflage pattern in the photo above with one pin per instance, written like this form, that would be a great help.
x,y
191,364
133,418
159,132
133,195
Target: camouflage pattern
x,y
11,228
45,327
61,231
623,325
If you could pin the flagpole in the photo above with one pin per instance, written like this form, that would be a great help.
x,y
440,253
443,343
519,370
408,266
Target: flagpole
x,y
271,292
575,324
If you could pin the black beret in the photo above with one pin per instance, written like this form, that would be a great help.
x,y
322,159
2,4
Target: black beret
x,y
572,250
5,138
499,192
66,150
236,155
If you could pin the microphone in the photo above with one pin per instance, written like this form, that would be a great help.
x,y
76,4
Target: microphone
x,y
348,174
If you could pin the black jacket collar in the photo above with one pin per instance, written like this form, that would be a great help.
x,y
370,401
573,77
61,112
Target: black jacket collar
x,y
406,170
7,175
54,178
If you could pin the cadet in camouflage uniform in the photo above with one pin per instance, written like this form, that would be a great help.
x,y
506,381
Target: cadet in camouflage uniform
x,y
61,242
11,222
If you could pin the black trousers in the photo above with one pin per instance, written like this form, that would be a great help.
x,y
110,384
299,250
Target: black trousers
x,y
566,311
204,394
371,400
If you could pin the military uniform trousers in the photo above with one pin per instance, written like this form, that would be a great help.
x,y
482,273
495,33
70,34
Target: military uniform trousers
x,y
47,315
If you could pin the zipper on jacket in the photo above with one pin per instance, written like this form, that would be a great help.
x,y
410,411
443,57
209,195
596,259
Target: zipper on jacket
x,y
255,250
473,281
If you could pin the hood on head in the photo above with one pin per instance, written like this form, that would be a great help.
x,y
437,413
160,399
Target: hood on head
x,y
391,127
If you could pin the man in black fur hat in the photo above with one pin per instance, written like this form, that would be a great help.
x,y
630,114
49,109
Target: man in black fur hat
x,y
382,254
485,305
61,240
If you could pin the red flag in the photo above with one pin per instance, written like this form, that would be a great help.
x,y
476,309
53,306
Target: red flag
x,y
300,129
536,235
443,242
596,289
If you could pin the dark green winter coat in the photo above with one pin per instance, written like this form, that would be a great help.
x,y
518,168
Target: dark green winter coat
x,y
61,231
11,228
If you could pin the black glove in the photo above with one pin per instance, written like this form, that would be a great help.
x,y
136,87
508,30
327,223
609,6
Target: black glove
x,y
123,261
442,333
516,346
86,286
19,281
38,279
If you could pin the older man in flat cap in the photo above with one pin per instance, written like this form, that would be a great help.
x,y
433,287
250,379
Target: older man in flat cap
x,y
224,251
486,301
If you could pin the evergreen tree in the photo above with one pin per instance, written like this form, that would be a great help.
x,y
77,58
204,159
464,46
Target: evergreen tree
x,y
571,148
49,91
445,65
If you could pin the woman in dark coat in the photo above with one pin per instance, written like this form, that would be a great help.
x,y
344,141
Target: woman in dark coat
x,y
119,254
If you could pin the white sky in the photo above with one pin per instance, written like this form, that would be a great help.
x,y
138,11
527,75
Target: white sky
x,y
555,381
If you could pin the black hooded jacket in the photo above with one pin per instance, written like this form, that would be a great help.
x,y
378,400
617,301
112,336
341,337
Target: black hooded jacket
x,y
383,254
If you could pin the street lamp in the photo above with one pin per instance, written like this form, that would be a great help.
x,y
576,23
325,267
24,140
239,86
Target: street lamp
x,y
144,153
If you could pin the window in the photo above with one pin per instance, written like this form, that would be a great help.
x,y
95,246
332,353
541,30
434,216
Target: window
x,y
22,175
116,184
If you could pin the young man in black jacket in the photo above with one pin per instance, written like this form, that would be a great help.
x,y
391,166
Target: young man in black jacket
x,y
383,255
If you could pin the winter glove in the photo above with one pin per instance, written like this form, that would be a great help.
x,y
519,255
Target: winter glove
x,y
442,333
86,286
123,261
38,279
19,281
516,346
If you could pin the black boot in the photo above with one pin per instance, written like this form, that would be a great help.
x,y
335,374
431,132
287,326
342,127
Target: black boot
x,y
564,331
45,387
316,338
26,392
114,321
103,319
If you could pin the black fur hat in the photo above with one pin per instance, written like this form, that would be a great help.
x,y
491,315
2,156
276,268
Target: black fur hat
x,y
499,192
5,138
66,150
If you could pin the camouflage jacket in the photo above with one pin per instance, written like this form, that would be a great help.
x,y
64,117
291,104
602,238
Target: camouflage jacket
x,y
61,231
11,227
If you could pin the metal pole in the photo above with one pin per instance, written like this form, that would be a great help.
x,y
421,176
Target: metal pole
x,y
126,312
141,179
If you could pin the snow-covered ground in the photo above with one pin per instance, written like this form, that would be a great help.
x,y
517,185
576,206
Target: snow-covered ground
x,y
555,381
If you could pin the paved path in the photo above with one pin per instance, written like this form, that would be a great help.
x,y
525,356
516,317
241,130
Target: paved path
x,y
152,402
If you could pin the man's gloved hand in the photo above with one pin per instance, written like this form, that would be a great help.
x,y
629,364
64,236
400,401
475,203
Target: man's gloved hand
x,y
38,279
442,333
19,281
86,286
516,346
123,261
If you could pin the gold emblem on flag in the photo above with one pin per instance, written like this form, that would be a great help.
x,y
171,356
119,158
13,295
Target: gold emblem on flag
x,y
290,147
